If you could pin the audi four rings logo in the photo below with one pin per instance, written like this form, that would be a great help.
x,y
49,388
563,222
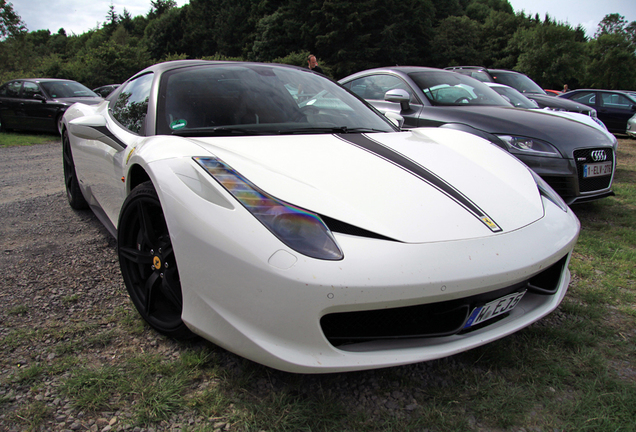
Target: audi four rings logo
x,y
599,155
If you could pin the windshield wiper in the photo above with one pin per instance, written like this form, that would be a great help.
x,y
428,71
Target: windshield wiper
x,y
322,130
221,131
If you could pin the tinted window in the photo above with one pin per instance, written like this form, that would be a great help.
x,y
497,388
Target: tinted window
x,y
67,89
588,98
515,98
517,81
615,100
30,90
450,88
131,106
11,89
374,87
243,99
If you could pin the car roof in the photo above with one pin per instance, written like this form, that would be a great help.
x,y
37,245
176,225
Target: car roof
x,y
177,64
38,80
484,69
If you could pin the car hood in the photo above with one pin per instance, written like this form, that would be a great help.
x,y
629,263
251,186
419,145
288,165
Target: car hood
x,y
417,186
564,134
558,103
84,100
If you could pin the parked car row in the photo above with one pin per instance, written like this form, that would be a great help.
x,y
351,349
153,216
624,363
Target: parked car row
x,y
268,209
576,160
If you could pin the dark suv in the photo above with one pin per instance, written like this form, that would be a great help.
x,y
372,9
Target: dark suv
x,y
525,85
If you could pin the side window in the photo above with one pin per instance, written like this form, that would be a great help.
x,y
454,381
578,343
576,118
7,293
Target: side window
x,y
613,100
585,98
374,87
11,89
481,76
30,90
131,106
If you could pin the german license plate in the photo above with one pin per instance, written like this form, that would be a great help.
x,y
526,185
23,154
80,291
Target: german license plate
x,y
597,169
494,308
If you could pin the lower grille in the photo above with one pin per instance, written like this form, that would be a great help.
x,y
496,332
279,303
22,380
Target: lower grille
x,y
591,184
427,320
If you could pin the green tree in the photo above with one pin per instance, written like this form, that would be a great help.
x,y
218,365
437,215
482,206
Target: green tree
x,y
10,22
552,54
612,62
496,33
456,42
479,10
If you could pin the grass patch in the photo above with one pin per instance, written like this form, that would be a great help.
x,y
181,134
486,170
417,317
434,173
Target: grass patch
x,y
17,139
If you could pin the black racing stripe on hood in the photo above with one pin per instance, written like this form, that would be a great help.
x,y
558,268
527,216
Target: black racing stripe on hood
x,y
398,159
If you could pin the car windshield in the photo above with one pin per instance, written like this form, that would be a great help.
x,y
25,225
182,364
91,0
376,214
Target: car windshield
x,y
517,81
251,99
515,98
446,88
67,89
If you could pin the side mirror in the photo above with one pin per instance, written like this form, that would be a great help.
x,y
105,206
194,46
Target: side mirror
x,y
91,127
395,118
400,96
39,97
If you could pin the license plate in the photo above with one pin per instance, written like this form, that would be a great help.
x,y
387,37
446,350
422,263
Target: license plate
x,y
597,169
493,309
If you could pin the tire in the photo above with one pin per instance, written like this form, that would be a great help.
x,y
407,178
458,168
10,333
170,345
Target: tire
x,y
2,127
148,263
73,191
60,124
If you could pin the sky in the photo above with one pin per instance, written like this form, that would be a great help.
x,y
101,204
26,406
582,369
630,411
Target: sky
x,y
79,16
588,13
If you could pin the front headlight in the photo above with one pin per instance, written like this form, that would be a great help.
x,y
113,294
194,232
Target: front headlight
x,y
547,191
299,229
529,146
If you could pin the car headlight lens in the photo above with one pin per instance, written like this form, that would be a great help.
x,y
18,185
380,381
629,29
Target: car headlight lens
x,y
529,146
299,229
546,190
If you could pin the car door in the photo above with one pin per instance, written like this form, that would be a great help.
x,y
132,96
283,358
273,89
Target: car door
x,y
36,112
372,88
99,162
614,109
9,103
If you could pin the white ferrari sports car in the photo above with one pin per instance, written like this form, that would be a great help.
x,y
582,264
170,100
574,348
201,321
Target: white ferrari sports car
x,y
274,213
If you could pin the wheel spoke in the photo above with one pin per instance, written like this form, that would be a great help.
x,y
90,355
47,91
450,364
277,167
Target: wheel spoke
x,y
146,226
168,290
149,289
135,255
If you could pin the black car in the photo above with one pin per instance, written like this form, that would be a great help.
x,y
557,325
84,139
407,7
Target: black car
x,y
577,160
614,107
38,103
525,85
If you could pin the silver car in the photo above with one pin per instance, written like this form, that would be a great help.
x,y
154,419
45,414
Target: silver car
x,y
631,127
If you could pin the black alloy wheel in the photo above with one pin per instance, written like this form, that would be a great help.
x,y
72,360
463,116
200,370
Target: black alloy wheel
x,y
73,192
148,262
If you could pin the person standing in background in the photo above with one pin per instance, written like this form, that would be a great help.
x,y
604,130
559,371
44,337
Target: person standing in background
x,y
312,64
